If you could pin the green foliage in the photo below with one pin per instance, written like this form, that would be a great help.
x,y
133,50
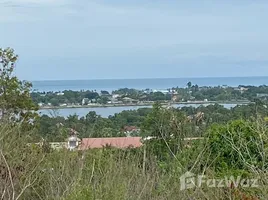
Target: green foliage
x,y
121,174
15,101
163,123
67,97
50,128
189,84
127,91
163,149
158,96
238,145
103,100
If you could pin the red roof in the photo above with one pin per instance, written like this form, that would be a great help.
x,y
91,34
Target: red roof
x,y
130,128
118,142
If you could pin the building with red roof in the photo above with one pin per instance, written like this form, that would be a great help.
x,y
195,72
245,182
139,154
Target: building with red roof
x,y
117,142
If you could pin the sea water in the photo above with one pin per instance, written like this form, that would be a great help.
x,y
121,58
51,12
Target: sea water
x,y
161,83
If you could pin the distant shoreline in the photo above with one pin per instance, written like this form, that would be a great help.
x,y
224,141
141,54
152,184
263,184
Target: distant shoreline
x,y
141,104
148,78
144,83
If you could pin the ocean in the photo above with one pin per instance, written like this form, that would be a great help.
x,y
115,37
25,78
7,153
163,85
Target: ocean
x,y
161,83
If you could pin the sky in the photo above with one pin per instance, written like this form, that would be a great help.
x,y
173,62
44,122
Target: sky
x,y
119,39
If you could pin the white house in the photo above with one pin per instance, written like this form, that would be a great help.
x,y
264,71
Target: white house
x,y
73,141
163,91
85,101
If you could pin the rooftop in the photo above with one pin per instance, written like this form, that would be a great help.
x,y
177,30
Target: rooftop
x,y
118,142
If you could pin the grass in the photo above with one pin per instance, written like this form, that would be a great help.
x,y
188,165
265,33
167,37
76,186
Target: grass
x,y
30,172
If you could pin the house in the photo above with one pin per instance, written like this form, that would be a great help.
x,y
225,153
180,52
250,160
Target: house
x,y
143,97
52,145
243,89
73,142
262,95
85,101
130,130
162,91
175,98
117,142
60,94
93,100
148,91
174,92
115,96
58,145
128,100
240,89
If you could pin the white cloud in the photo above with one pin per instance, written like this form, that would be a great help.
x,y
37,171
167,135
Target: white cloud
x,y
30,10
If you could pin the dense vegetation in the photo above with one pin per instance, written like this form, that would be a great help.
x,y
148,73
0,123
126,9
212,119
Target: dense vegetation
x,y
93,125
231,142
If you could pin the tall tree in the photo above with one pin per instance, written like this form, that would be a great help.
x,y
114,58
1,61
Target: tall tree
x,y
16,104
189,84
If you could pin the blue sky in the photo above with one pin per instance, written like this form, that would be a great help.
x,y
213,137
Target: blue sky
x,y
104,39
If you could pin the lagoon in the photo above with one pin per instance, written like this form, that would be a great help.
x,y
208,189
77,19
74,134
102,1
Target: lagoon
x,y
107,111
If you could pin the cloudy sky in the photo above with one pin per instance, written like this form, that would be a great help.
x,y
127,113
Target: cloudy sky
x,y
96,39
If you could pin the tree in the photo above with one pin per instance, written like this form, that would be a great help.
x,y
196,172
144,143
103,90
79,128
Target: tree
x,y
103,100
163,123
165,127
15,100
195,87
91,95
91,117
54,102
238,145
104,92
189,84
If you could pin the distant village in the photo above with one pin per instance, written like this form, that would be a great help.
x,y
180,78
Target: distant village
x,y
106,98
125,96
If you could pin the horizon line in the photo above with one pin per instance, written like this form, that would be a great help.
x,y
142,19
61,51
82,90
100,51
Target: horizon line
x,y
103,79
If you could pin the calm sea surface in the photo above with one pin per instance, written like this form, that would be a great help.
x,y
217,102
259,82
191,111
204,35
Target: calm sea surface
x,y
105,112
163,83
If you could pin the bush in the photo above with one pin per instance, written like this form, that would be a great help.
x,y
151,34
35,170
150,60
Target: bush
x,y
238,145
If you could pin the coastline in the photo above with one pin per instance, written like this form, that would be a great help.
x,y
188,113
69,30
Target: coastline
x,y
141,104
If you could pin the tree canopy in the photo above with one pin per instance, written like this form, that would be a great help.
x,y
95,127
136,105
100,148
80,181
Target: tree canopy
x,y
16,104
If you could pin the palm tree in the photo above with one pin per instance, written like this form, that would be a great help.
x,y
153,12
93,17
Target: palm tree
x,y
189,84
